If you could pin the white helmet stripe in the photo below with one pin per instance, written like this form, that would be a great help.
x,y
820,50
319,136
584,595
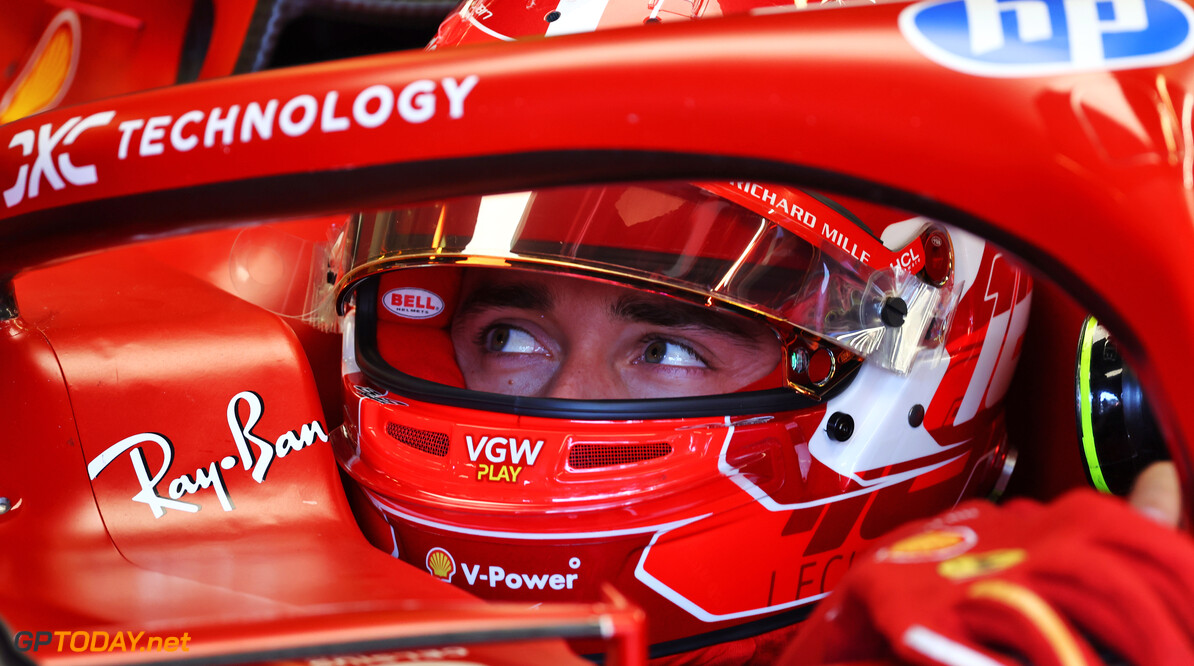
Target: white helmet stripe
x,y
577,16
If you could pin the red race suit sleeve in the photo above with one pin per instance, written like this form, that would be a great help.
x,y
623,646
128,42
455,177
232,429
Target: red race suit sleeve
x,y
1084,580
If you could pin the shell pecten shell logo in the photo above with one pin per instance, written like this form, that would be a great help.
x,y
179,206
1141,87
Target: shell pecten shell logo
x,y
441,564
936,545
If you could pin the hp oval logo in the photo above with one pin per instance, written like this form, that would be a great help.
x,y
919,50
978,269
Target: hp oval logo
x,y
1019,38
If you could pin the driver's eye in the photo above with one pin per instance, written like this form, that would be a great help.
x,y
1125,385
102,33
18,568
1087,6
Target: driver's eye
x,y
664,352
509,340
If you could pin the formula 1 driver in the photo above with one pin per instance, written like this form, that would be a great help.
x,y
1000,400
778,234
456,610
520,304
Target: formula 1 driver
x,y
716,398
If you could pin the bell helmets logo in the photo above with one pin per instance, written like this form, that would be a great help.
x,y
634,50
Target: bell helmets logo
x,y
413,303
1013,38
441,564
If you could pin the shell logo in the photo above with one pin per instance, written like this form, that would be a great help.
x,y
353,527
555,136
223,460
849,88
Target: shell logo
x,y
935,545
48,73
441,564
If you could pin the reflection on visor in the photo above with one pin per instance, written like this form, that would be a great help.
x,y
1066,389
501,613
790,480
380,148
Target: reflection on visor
x,y
782,253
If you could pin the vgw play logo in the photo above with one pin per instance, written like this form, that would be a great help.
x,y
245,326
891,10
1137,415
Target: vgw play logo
x,y
1011,38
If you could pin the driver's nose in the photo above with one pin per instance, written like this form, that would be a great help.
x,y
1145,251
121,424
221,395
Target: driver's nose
x,y
585,377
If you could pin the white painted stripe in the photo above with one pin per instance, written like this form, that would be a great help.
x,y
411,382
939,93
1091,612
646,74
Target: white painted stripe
x,y
487,31
467,12
941,649
733,474
640,572
992,346
577,16
387,507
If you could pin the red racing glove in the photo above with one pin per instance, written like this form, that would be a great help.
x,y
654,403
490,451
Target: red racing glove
x,y
1085,580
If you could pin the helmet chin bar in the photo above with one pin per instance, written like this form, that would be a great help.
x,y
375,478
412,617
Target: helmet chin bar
x,y
768,401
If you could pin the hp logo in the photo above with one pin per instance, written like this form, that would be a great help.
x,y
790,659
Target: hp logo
x,y
1010,38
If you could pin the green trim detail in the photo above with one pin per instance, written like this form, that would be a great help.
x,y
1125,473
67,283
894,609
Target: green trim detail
x,y
1089,449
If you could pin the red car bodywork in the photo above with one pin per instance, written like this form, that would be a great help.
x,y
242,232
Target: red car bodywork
x,y
234,528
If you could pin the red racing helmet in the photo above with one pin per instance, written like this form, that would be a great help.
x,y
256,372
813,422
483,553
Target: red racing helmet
x,y
495,20
868,353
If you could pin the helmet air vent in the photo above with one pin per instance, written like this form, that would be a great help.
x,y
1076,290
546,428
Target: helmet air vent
x,y
593,456
434,443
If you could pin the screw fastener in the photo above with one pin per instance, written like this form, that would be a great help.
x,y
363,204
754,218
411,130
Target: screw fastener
x,y
840,426
894,311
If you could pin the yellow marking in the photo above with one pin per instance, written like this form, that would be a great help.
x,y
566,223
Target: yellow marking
x,y
981,564
1038,611
43,80
927,542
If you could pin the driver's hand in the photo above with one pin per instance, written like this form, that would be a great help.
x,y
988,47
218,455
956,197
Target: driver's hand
x,y
1158,494
1086,579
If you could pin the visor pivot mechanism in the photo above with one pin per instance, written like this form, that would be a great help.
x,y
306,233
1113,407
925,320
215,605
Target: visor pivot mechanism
x,y
893,312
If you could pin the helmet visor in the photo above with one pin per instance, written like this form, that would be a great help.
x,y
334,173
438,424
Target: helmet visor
x,y
794,258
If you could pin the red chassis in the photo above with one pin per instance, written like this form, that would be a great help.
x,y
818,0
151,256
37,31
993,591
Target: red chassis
x,y
234,529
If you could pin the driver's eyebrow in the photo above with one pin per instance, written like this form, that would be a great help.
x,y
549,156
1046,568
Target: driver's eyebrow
x,y
674,314
518,295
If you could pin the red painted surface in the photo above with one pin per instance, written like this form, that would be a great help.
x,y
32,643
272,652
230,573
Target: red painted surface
x,y
1049,184
1083,175
121,344
123,45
